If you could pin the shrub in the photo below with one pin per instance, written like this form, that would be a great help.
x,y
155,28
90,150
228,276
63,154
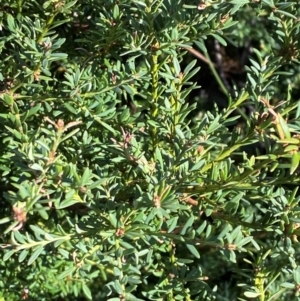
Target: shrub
x,y
118,183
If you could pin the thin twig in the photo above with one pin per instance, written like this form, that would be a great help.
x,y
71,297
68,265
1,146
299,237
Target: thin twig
x,y
198,55
220,65
212,66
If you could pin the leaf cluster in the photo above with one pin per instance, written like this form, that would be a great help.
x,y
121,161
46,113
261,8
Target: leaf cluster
x,y
116,184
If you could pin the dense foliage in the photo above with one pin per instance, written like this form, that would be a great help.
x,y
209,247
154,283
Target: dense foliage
x,y
149,150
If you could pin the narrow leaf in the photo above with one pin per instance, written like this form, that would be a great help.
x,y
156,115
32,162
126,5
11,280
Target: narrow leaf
x,y
35,255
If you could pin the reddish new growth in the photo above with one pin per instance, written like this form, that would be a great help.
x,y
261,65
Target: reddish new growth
x,y
20,216
126,139
125,144
25,293
120,232
156,201
60,125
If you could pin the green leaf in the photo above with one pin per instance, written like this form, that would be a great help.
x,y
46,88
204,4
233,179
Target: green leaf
x,y
67,203
113,220
214,125
70,108
105,125
193,250
4,220
73,133
117,286
70,4
18,237
23,255
64,253
36,166
11,22
159,158
37,230
41,143
172,224
189,67
8,254
8,99
36,253
85,177
219,39
201,228
87,292
116,12
67,272
130,90
187,225
279,11
288,285
176,66
239,2
294,162
251,294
